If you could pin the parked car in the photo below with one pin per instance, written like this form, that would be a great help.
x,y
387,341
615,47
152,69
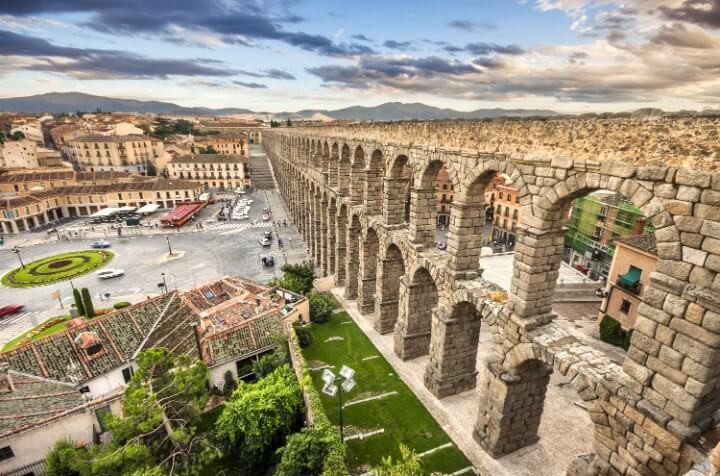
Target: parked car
x,y
264,242
100,244
10,309
268,235
266,217
110,273
268,261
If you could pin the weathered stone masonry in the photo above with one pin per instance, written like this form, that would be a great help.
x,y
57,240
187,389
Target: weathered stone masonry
x,y
346,188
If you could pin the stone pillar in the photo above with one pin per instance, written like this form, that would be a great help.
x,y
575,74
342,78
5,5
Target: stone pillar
x,y
387,292
538,255
368,267
465,234
332,171
343,178
357,186
340,237
373,191
422,216
366,294
510,408
453,352
352,258
323,237
332,229
412,331
394,200
317,240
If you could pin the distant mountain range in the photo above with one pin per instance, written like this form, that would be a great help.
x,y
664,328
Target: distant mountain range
x,y
56,103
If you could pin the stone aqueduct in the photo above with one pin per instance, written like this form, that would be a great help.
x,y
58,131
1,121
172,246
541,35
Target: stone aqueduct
x,y
346,188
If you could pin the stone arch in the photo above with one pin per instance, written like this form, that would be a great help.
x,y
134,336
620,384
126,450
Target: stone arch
x,y
343,170
423,219
353,257
418,299
369,251
391,269
374,183
332,165
396,189
357,176
331,234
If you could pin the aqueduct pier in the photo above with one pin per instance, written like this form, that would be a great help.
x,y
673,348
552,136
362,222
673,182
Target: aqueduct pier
x,y
346,190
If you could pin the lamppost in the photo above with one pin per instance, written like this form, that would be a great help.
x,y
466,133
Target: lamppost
x,y
16,250
331,388
169,247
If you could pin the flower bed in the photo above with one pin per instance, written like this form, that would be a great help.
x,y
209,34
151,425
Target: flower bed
x,y
57,268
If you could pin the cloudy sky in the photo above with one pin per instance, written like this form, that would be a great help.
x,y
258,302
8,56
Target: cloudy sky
x,y
279,55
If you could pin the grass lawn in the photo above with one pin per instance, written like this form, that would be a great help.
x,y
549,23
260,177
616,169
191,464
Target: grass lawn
x,y
402,416
44,333
56,268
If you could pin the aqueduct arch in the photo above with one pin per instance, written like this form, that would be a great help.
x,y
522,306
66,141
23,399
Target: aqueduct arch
x,y
648,413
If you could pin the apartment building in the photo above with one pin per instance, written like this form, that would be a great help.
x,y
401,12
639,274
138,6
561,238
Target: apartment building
x,y
225,172
634,260
503,209
24,212
236,144
596,222
444,195
129,153
19,154
36,181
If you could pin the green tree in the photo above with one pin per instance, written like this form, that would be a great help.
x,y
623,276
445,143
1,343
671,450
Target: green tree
x,y
297,278
151,169
17,135
305,337
305,452
78,302
267,364
161,408
207,150
87,303
321,307
63,459
407,465
289,123
258,417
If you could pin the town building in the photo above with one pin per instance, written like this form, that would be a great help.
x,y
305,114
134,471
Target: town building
x,y
229,144
253,130
216,171
21,182
61,386
595,223
503,209
19,154
130,153
32,130
444,195
24,212
635,258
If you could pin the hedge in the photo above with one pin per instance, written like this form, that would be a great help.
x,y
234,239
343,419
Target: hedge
x,y
612,332
335,459
121,304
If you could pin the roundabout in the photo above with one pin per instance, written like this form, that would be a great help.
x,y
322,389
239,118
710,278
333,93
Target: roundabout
x,y
53,269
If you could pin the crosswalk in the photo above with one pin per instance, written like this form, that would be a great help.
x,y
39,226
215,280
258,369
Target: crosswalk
x,y
229,228
8,321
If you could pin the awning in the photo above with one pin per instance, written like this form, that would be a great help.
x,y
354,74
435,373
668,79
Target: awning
x,y
632,277
105,212
149,208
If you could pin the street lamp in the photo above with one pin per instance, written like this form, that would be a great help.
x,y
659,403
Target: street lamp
x,y
16,250
331,388
169,247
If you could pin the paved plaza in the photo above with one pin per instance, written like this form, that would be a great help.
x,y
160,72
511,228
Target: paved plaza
x,y
201,255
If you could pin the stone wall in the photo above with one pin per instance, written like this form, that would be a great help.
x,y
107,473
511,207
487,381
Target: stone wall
x,y
647,414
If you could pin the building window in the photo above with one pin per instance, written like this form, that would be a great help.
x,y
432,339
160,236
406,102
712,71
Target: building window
x,y
127,374
500,195
93,349
625,306
6,453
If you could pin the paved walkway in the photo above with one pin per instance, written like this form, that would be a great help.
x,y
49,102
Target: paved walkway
x,y
565,430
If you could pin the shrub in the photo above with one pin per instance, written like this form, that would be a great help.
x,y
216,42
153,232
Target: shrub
x,y
230,383
305,452
305,337
267,364
63,459
121,304
87,303
612,332
297,278
407,465
321,307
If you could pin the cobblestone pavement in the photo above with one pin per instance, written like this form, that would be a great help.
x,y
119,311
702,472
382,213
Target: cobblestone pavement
x,y
565,430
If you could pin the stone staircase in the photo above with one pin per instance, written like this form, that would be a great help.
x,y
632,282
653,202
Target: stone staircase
x,y
260,171
577,292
